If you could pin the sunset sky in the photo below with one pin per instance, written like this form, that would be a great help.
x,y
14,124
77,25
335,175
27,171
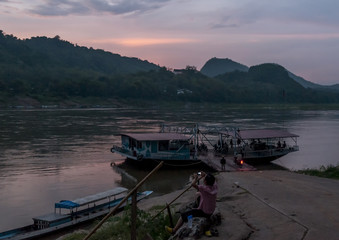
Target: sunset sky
x,y
301,35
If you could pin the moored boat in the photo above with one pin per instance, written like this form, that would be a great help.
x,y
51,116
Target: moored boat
x,y
262,145
183,144
68,213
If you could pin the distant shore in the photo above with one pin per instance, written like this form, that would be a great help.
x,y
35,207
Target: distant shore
x,y
91,102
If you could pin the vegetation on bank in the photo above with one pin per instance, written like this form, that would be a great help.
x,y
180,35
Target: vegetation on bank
x,y
43,69
119,226
326,172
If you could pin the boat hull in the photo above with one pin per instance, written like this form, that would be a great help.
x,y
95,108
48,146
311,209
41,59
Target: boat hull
x,y
30,232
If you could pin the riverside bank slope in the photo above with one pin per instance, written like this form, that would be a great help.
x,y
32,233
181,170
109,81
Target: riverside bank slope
x,y
271,204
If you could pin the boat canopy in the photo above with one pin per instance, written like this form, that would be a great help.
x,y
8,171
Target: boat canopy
x,y
263,134
69,204
157,136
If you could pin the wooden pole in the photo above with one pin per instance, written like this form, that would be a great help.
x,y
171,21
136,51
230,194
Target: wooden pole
x,y
173,200
170,215
123,201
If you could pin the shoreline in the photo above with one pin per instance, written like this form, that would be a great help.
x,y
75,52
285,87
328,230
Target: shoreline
x,y
270,204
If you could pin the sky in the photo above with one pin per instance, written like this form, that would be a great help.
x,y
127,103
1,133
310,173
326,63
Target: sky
x,y
300,35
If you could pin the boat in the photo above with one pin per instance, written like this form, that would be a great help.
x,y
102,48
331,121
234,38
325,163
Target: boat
x,y
261,145
68,213
193,144
155,146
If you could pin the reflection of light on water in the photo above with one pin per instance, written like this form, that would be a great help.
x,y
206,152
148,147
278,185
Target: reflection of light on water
x,y
51,155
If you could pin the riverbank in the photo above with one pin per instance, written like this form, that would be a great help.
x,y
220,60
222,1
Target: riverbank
x,y
272,204
26,102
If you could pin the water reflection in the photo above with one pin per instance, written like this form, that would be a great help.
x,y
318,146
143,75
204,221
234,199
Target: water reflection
x,y
49,155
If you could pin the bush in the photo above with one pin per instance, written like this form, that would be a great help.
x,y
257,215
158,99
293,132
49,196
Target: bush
x,y
327,172
119,227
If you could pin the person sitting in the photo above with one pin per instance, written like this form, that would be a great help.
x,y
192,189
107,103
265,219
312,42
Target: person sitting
x,y
208,195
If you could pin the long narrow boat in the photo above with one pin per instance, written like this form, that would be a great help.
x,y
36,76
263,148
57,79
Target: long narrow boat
x,y
183,144
68,213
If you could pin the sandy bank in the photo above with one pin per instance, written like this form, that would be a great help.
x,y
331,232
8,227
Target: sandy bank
x,y
271,205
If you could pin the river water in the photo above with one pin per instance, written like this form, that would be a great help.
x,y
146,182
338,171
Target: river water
x,y
49,155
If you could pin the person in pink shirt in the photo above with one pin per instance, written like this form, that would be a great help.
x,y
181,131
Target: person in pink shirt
x,y
208,196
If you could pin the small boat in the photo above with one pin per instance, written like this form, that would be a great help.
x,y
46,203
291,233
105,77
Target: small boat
x,y
184,144
68,213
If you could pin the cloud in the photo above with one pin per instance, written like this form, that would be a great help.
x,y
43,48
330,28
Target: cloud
x,y
78,7
60,8
137,42
253,12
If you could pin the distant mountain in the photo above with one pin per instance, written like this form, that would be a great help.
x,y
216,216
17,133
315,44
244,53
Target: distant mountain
x,y
308,84
266,83
217,66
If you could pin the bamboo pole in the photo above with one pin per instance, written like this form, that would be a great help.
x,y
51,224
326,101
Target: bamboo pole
x,y
170,215
123,201
174,200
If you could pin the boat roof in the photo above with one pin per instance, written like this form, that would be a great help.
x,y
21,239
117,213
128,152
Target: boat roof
x,y
51,217
264,133
68,204
156,136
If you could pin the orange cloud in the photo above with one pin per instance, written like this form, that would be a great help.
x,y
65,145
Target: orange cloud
x,y
137,42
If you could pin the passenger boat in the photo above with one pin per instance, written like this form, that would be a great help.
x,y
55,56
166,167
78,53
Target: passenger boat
x,y
68,213
185,144
261,145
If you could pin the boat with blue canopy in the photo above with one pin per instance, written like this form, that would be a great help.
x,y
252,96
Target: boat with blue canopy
x,y
68,213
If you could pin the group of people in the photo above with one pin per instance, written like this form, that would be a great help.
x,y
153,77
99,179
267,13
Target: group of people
x,y
207,195
281,146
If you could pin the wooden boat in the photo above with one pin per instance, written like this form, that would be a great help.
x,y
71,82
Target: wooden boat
x,y
183,144
68,213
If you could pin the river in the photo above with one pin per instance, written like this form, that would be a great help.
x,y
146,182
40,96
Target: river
x,y
48,155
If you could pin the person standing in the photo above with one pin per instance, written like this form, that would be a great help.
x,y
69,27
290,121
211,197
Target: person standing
x,y
223,163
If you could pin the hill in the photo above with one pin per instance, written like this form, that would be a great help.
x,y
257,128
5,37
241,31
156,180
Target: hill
x,y
268,83
217,66
43,71
42,54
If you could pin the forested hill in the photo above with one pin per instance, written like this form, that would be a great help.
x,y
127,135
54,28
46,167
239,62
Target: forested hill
x,y
45,70
48,54
217,66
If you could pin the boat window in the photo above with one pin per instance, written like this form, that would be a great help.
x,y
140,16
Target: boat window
x,y
174,145
163,145
139,144
132,143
